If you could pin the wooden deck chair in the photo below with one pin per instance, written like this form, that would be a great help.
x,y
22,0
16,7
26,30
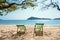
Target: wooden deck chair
x,y
38,29
21,29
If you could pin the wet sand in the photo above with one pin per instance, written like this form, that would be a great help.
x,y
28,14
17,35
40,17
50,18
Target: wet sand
x,y
50,32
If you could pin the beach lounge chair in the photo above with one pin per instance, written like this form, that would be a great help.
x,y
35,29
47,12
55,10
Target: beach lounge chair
x,y
21,29
38,29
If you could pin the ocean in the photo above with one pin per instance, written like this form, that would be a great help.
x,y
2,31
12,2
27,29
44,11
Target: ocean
x,y
27,22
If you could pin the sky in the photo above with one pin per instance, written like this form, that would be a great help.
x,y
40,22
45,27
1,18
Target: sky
x,y
24,14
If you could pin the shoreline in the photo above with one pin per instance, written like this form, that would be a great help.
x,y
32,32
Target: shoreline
x,y
45,25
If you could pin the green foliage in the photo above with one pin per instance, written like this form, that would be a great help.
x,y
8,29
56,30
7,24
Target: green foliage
x,y
0,4
5,4
23,7
2,1
9,8
14,7
30,4
1,14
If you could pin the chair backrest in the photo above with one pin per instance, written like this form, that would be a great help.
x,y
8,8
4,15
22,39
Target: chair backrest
x,y
39,26
21,27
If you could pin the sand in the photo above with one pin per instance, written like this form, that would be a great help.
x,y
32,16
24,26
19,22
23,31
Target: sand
x,y
50,32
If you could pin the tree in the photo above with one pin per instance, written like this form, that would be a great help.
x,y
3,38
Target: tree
x,y
7,7
54,4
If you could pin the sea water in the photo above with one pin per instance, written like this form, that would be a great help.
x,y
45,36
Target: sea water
x,y
25,22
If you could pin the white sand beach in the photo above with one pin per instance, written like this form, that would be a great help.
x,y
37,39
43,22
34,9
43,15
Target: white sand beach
x,y
50,32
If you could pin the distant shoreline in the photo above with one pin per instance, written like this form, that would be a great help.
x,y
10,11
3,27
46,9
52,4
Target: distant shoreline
x,y
30,22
